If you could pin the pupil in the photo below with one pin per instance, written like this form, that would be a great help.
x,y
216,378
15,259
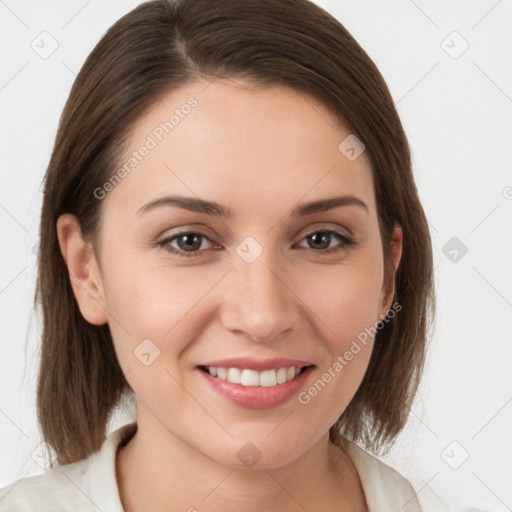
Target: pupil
x,y
323,235
191,241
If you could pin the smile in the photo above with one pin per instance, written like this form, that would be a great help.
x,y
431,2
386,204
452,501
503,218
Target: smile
x,y
256,389
253,378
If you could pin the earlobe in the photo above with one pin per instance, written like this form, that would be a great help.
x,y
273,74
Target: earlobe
x,y
83,270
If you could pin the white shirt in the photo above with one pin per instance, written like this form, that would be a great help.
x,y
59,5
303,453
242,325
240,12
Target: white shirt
x,y
90,484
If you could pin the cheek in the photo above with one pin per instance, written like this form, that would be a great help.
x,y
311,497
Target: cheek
x,y
347,319
346,306
158,303
150,322
345,300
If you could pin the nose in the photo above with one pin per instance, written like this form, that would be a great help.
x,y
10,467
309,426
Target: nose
x,y
258,300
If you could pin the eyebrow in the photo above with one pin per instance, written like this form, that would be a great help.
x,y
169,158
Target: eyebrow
x,y
197,205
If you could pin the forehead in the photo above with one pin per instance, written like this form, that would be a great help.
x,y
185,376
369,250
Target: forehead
x,y
231,144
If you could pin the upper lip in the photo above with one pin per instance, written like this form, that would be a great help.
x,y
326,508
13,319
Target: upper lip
x,y
257,364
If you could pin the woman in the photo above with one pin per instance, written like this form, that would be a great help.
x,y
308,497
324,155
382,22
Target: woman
x,y
205,149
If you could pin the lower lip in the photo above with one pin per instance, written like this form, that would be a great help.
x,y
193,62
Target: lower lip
x,y
257,397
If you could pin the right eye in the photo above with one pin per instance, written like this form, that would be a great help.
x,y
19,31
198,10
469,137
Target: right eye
x,y
189,243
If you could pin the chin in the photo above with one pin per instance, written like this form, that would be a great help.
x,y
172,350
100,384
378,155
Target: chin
x,y
262,454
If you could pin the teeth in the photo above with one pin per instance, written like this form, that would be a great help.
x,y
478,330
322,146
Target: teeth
x,y
267,378
234,375
250,378
281,375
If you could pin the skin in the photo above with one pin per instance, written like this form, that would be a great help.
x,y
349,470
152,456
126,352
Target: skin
x,y
259,153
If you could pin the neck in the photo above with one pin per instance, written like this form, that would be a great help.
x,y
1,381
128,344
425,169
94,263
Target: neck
x,y
156,469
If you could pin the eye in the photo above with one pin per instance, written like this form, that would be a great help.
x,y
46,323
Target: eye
x,y
323,237
189,243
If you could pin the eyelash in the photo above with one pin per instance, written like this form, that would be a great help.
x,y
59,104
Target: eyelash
x,y
347,243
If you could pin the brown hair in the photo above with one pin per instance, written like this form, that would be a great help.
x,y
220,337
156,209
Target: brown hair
x,y
161,46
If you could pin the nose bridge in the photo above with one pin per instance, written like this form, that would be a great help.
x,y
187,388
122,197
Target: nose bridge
x,y
257,300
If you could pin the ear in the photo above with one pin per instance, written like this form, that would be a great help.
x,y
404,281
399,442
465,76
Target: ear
x,y
388,287
83,270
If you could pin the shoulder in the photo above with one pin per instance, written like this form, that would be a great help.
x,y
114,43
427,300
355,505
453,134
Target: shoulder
x,y
56,489
384,487
88,484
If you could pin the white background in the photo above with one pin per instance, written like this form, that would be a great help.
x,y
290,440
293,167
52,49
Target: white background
x,y
457,113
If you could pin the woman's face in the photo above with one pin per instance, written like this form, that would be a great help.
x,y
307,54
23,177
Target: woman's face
x,y
256,288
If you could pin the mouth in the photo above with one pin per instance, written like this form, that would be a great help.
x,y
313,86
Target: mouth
x,y
253,384
252,378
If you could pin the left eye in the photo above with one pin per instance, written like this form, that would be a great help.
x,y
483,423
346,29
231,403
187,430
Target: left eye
x,y
189,243
321,236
